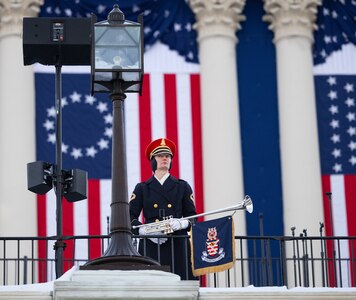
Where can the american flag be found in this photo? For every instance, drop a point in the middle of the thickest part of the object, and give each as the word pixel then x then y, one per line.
pixel 337 136
pixel 336 27
pixel 168 107
pixel 335 82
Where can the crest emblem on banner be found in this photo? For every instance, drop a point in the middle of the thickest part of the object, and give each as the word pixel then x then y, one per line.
pixel 213 253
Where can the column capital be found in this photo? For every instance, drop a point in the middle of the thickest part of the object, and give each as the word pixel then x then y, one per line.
pixel 291 17
pixel 217 17
pixel 12 12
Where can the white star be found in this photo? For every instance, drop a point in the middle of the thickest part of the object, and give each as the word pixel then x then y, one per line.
pixel 57 10
pixel 336 153
pixel 64 148
pixel 101 8
pixel 351 116
pixel 188 27
pixel 51 112
pixel 334 38
pixel 68 12
pixel 75 97
pixel 337 168
pixel 146 12
pixel 327 39
pixel 102 107
pixel 49 125
pixel 135 8
pixel 335 138
pixel 323 53
pixel 350 102
pixel 108 132
pixel 108 119
pixel 166 13
pixel 351 131
pixel 76 153
pixel 332 95
pixel 190 55
pixel 177 27
pixel 91 151
pixel 64 102
pixel 90 99
pixel 352 146
pixel 349 87
pixel 333 109
pixel 103 144
pixel 326 12
pixel 334 14
pixel 334 124
pixel 331 80
pixel 147 30
pixel 51 137
pixel 352 160
pixel 156 34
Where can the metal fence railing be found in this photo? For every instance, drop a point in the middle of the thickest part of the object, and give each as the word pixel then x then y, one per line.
pixel 291 261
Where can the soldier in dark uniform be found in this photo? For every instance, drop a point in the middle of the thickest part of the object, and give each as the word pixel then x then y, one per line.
pixel 161 196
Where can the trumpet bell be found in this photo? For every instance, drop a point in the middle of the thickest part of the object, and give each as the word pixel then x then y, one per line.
pixel 248 204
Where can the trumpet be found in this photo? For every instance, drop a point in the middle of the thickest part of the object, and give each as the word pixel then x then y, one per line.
pixel 165 226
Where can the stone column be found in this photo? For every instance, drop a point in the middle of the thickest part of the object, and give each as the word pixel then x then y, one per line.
pixel 293 23
pixel 17 122
pixel 217 23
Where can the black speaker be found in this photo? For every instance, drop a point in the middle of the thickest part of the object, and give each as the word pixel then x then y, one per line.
pixel 39 179
pixel 57 41
pixel 76 189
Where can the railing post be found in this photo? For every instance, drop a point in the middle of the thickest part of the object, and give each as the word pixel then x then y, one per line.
pixel 25 260
pixel 305 259
pixel 283 262
pixel 322 253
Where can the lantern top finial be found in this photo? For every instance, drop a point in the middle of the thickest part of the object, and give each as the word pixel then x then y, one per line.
pixel 116 15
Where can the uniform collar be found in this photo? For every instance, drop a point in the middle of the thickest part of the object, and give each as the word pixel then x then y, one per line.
pixel 163 179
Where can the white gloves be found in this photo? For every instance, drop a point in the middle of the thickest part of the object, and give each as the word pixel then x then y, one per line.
pixel 179 224
pixel 159 241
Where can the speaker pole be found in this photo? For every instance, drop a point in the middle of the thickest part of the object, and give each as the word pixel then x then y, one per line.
pixel 59 245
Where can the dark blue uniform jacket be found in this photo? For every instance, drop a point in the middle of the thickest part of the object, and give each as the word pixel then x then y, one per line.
pixel 173 198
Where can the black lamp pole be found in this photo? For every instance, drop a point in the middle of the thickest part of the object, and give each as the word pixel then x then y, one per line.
pixel 121 253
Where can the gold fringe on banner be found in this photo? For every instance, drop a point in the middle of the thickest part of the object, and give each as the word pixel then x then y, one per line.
pixel 213 269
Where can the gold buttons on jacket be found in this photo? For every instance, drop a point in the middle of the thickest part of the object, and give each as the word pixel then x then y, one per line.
pixel 157 220
pixel 169 205
pixel 155 205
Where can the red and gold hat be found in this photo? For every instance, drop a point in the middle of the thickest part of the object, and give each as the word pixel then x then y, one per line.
pixel 160 146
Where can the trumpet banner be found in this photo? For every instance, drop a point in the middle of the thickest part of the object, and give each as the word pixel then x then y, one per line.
pixel 212 245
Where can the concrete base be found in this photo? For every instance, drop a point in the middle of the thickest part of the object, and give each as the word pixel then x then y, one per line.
pixel 277 293
pixel 113 284
pixel 153 284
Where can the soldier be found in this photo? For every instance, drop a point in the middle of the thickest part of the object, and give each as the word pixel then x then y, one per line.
pixel 161 196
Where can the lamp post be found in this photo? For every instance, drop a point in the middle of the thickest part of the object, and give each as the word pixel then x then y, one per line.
pixel 117 68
